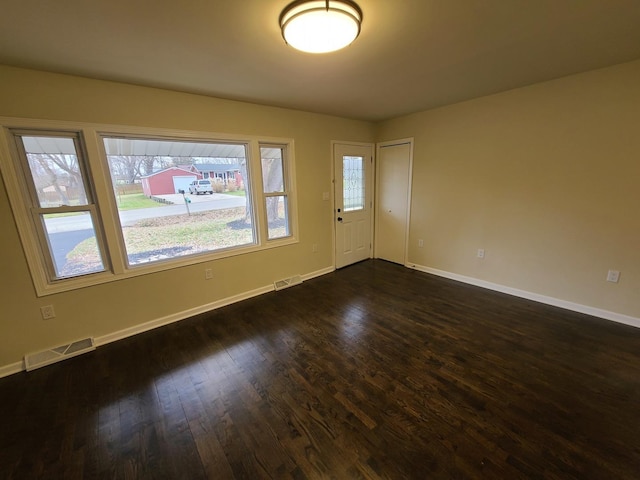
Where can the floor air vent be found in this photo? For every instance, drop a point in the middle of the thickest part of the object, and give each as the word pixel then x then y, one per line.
pixel 288 282
pixel 53 355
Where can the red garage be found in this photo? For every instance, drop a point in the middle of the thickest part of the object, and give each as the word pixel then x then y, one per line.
pixel 168 181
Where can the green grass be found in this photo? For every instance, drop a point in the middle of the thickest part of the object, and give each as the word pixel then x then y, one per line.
pixel 131 201
pixel 134 201
pixel 200 232
pixel 174 236
pixel 237 193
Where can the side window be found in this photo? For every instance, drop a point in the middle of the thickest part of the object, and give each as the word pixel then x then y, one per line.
pixel 275 187
pixel 61 203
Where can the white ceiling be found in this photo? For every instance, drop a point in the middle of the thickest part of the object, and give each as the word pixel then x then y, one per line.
pixel 411 55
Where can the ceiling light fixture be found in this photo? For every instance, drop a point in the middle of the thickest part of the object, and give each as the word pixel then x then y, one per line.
pixel 320 26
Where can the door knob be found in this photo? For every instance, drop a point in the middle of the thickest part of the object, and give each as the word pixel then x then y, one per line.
pixel 339 219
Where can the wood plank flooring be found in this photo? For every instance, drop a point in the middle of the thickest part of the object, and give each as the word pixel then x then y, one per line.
pixel 374 371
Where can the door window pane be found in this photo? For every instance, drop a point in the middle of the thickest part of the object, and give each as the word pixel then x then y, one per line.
pixel 178 198
pixel 353 183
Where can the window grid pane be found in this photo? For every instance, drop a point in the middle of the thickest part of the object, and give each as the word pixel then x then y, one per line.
pixel 73 244
pixel 353 183
pixel 272 175
pixel 277 215
pixel 55 171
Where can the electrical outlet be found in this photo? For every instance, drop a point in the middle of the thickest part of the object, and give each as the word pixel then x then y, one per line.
pixel 481 253
pixel 47 312
pixel 325 195
pixel 208 274
pixel 314 248
pixel 420 243
pixel 613 276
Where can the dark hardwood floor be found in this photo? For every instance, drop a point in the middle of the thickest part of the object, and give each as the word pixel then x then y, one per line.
pixel 375 371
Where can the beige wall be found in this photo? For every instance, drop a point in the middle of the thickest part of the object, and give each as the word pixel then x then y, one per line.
pixel 545 178
pixel 104 309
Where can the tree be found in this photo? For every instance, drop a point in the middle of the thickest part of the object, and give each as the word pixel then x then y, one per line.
pixel 243 171
pixel 127 168
pixel 273 180
pixel 60 171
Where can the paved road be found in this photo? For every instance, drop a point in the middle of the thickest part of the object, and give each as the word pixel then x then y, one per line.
pixel 67 232
pixel 129 217
pixel 63 242
pixel 198 204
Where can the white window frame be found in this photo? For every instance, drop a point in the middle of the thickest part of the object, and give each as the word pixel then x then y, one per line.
pixel 37 211
pixel 287 192
pixel 107 220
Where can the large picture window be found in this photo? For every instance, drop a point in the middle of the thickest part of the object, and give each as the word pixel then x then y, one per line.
pixel 198 196
pixel 96 203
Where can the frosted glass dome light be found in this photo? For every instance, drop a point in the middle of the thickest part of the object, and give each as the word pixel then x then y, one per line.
pixel 320 26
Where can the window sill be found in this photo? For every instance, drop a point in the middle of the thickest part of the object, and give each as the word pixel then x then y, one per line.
pixel 44 288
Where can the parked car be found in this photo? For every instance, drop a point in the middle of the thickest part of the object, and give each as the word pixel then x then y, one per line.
pixel 200 186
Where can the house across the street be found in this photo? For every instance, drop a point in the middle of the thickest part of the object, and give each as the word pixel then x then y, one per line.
pixel 220 171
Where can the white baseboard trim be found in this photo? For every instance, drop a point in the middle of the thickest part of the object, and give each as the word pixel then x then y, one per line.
pixel 175 317
pixel 556 302
pixel 10 369
pixel 318 273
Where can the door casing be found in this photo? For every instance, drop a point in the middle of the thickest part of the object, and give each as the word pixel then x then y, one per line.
pixel 391 237
pixel 367 149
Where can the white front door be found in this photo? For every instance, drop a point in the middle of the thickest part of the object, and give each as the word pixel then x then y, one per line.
pixel 393 181
pixel 353 202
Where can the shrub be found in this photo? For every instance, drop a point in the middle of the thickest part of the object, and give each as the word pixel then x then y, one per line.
pixel 232 186
pixel 218 185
